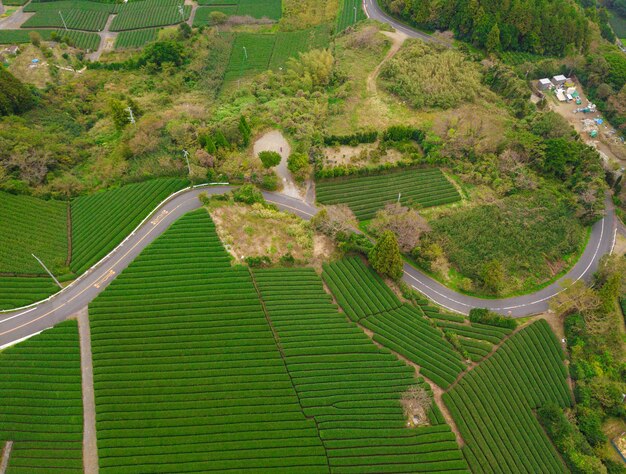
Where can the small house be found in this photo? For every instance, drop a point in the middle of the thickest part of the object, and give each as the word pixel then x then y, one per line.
pixel 11 50
pixel 544 84
pixel 559 80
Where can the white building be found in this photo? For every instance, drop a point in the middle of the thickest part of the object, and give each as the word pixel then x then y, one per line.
pixel 545 84
pixel 559 80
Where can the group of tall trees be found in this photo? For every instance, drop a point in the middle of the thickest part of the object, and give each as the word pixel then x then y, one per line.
pixel 550 27
pixel 15 97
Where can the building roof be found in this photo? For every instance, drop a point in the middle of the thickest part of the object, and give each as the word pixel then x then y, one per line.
pixel 560 78
pixel 545 80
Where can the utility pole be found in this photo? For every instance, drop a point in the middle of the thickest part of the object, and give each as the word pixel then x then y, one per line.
pixel 132 117
pixel 186 155
pixel 63 20
pixel 399 196
pixel 245 53
pixel 181 10
pixel 355 13
pixel 46 269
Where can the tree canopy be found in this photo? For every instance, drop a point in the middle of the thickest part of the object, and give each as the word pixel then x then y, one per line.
pixel 15 97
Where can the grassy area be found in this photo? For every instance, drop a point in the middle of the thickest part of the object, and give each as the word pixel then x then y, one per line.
pixel 618 23
pixel 32 226
pixel 41 402
pixel 367 194
pixel 496 420
pixel 103 220
pixel 514 245
pixel 260 232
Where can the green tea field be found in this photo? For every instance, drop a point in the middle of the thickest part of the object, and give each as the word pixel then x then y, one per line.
pixel 32 226
pixel 367 194
pixel 41 402
pixel 496 420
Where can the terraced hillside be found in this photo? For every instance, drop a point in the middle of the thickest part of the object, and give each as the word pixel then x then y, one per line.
pixel 367 194
pixel 41 402
pixel 193 371
pixel 348 385
pixel 493 404
pixel 187 373
pixel 400 327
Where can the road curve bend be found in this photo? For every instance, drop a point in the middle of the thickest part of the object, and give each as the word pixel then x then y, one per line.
pixel 19 324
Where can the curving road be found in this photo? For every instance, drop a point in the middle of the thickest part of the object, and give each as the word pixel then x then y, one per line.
pixel 20 324
pixel 373 11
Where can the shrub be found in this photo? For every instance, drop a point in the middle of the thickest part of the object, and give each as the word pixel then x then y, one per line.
pixel 248 194
pixel 258 262
pixel 269 158
pixel 385 256
pixel 484 316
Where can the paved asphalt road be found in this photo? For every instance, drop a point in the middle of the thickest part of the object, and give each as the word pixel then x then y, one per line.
pixel 20 324
pixel 373 11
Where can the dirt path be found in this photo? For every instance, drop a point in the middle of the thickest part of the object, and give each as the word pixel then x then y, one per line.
pixel 14 21
pixel 275 141
pixel 5 456
pixel 437 391
pixel 398 39
pixel 90 447
pixel 107 40
pixel 192 15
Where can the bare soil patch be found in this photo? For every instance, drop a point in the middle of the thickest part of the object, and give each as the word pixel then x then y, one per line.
pixel 607 141
pixel 360 155
pixel 254 231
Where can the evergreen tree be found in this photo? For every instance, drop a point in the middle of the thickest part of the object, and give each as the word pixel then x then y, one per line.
pixel 493 39
pixel 209 145
pixel 245 131
pixel 220 140
pixel 385 256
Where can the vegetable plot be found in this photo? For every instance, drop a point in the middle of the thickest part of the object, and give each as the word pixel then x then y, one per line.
pixel 367 194
pixel 492 404
pixel 41 402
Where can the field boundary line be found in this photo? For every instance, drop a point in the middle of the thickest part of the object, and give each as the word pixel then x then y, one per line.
pixel 107 256
pixel 5 456
pixel 282 357
pixel 90 443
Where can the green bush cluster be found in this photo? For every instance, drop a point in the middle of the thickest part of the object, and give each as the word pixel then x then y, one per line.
pixel 484 316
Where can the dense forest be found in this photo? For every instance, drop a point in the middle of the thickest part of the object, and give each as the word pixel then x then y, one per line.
pixel 550 27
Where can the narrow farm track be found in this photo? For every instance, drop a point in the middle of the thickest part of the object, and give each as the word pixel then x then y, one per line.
pixel 17 325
